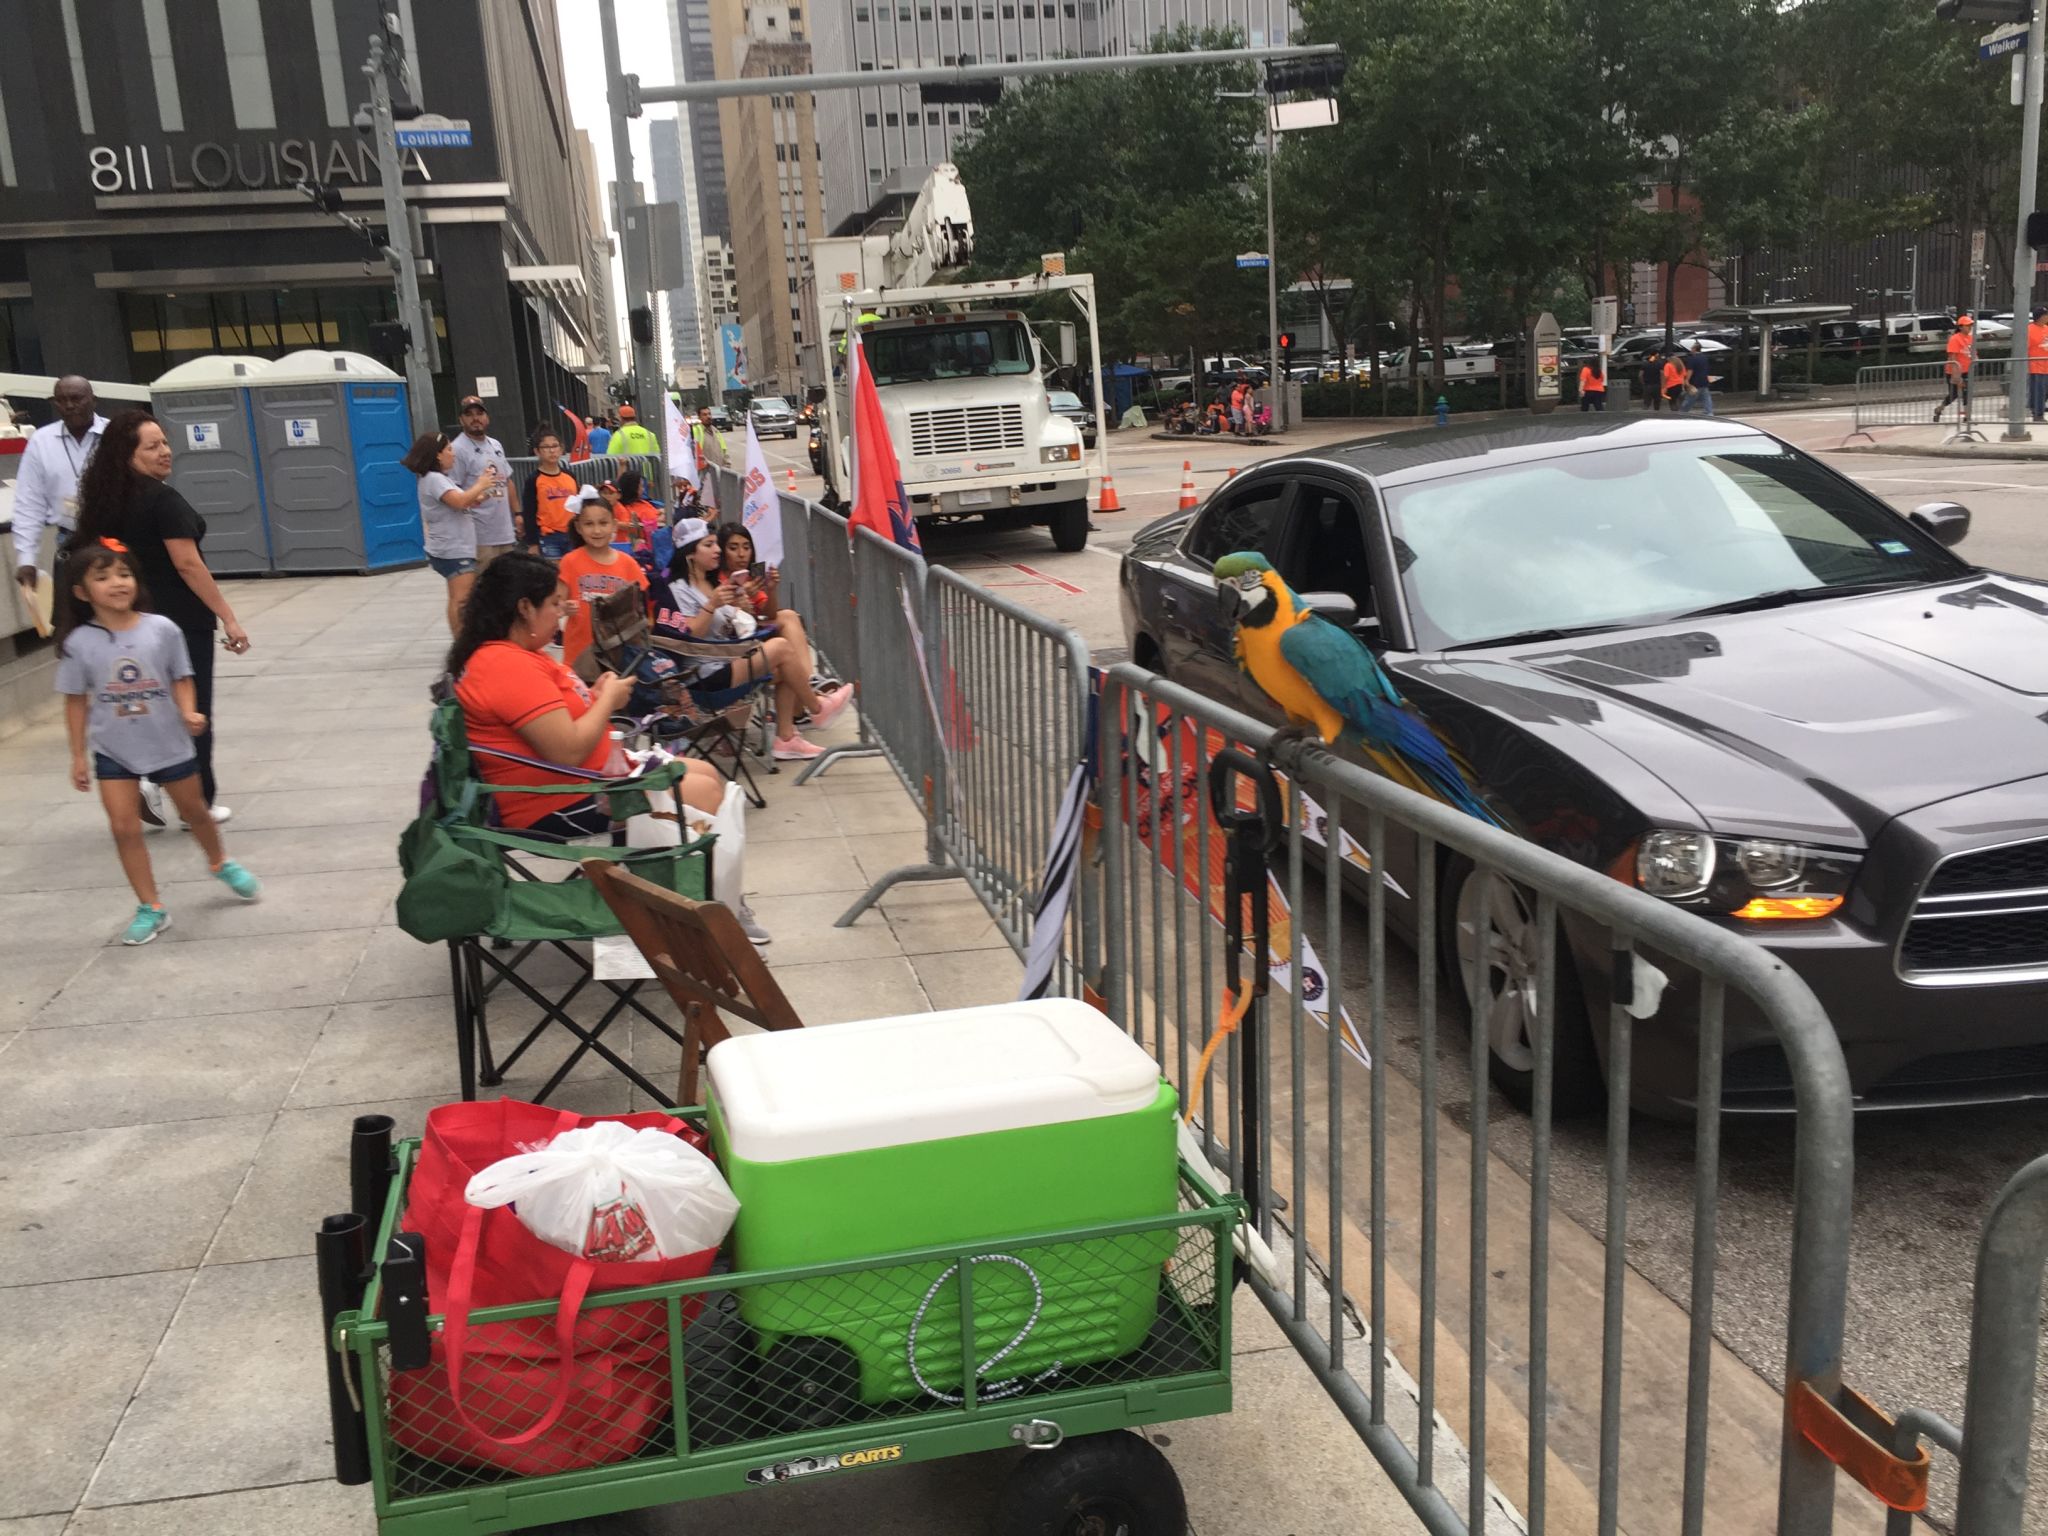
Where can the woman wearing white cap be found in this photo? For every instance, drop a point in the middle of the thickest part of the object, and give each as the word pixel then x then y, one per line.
pixel 696 604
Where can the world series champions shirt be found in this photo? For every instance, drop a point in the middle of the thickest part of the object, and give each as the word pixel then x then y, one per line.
pixel 131 716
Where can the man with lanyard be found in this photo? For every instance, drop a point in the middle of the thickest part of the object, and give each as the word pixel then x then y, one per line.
pixel 632 440
pixel 474 450
pixel 46 486
pixel 1961 356
pixel 709 441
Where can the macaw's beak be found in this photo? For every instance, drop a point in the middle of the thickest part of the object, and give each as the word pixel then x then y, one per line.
pixel 1228 603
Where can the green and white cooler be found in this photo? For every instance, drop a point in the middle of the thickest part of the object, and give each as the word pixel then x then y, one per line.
pixel 1032 1120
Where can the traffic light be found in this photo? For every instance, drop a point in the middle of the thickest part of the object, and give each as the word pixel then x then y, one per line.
pixel 389 342
pixel 1286 346
pixel 1983 10
pixel 2037 229
pixel 641 320
pixel 1323 72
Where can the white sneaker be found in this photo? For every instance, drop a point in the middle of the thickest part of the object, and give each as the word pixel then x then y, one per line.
pixel 219 813
pixel 152 806
pixel 751 927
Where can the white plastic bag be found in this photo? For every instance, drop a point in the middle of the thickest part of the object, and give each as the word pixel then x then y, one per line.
pixel 611 1193
pixel 728 868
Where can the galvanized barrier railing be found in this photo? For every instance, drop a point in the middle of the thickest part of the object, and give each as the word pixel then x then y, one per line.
pixel 1909 394
pixel 1329 1136
pixel 591 471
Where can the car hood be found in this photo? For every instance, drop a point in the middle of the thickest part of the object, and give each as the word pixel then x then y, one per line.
pixel 1821 720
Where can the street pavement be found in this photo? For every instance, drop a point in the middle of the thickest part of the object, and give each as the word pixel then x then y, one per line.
pixel 1924 1180
pixel 176 1116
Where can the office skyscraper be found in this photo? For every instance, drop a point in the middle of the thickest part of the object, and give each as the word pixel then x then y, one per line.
pixel 675 181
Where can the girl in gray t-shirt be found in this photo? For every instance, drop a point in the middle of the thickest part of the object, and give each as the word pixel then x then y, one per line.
pixel 130 707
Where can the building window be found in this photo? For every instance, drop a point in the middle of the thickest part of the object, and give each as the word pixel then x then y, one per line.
pixel 1069 7
pixel 796 13
pixel 903 13
pixel 953 115
pixel 1030 12
pixel 889 118
pixel 778 152
pixel 792 285
pixel 948 59
pixel 924 13
pixel 872 120
pixel 945 13
pixel 932 116
pixel 864 64
pixel 1009 58
pixel 860 13
pixel 1009 13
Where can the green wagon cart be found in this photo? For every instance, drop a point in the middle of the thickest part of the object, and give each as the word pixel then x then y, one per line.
pixel 729 1393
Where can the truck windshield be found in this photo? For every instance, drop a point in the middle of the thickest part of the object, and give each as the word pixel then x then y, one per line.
pixel 949 352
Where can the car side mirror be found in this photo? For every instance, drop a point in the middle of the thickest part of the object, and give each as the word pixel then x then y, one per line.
pixel 1948 521
pixel 1338 607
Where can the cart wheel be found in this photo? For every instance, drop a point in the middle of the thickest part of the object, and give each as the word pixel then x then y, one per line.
pixel 810 1383
pixel 1098 1485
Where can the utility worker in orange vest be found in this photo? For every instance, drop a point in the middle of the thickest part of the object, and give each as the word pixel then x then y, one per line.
pixel 1592 388
pixel 1961 356
pixel 2037 364
pixel 1674 379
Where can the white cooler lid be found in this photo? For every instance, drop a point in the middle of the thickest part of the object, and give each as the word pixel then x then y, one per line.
pixel 841 1088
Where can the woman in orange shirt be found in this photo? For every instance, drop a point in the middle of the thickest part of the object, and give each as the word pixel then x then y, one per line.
pixel 516 698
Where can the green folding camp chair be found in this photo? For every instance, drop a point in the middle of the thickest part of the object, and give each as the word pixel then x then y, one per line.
pixel 469 885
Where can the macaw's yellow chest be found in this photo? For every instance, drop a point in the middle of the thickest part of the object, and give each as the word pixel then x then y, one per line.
pixel 1284 685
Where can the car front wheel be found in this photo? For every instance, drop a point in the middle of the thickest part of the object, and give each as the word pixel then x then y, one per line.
pixel 1478 900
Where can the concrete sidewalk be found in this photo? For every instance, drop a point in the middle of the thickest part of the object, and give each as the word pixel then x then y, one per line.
pixel 176 1117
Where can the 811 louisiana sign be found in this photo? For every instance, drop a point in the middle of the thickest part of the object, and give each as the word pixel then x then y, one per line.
pixel 430 130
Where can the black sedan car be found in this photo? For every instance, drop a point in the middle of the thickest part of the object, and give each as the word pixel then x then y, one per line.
pixel 1686 653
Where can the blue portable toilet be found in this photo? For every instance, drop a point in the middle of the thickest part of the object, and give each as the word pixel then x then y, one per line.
pixel 330 429
pixel 203 407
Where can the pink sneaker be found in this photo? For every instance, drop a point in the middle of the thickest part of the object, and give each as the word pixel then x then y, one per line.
pixel 791 749
pixel 830 705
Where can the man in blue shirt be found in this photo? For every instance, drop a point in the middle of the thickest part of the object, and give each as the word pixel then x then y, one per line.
pixel 600 435
pixel 1699 374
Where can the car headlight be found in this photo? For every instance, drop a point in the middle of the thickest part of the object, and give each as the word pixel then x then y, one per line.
pixel 1062 453
pixel 1757 879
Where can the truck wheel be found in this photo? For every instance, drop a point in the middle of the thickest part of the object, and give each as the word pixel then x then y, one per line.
pixel 1095 1485
pixel 1069 524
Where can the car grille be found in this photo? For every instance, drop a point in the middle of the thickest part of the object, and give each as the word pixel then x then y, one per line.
pixel 1982 914
pixel 957 430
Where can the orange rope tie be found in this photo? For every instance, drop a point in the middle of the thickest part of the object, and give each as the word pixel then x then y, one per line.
pixel 1234 1009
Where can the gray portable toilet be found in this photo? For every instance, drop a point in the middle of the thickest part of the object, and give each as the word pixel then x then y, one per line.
pixel 330 429
pixel 203 407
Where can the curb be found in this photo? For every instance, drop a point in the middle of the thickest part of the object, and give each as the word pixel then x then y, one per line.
pixel 1990 452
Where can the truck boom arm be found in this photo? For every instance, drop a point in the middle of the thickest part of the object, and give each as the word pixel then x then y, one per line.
pixel 937 237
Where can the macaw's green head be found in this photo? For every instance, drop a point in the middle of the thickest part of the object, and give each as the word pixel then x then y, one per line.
pixel 1247 588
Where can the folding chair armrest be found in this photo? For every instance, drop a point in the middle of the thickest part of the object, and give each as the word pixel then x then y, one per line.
pixel 709 650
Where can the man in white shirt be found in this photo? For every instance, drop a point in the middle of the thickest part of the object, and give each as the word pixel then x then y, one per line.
pixel 46 486
pixel 474 450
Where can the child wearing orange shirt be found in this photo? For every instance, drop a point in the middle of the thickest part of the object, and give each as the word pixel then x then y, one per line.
pixel 590 572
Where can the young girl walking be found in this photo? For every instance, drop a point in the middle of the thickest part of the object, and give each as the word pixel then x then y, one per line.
pixel 126 677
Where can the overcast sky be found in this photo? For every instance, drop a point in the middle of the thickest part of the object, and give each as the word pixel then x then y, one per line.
pixel 646 50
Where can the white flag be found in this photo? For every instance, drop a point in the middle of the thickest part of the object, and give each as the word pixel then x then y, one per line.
pixel 682 448
pixel 761 511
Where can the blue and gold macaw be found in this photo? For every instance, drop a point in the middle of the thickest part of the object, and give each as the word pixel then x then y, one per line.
pixel 1326 680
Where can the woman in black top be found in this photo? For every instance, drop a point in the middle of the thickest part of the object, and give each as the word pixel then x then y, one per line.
pixel 122 498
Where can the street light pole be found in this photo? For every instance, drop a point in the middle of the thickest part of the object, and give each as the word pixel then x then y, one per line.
pixel 2023 254
pixel 623 98
pixel 386 62
pixel 1273 286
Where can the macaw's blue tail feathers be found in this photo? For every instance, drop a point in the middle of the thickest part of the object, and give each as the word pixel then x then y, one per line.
pixel 1399 734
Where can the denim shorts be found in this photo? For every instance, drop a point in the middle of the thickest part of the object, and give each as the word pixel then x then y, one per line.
pixel 451 567
pixel 556 545
pixel 104 767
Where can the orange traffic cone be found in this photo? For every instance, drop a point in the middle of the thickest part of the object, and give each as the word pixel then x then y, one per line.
pixel 1230 473
pixel 1187 485
pixel 792 481
pixel 1109 503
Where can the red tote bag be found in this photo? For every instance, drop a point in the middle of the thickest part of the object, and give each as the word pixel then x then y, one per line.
pixel 587 1386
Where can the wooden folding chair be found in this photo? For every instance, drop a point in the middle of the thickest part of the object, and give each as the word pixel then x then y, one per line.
pixel 696 950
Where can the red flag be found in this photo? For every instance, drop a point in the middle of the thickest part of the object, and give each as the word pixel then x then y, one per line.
pixel 878 498
pixel 580 449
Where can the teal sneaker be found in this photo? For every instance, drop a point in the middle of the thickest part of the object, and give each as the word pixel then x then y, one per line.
pixel 239 880
pixel 148 923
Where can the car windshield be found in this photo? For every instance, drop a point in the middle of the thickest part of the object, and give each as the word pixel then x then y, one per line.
pixel 1638 535
pixel 772 405
pixel 949 352
pixel 1060 400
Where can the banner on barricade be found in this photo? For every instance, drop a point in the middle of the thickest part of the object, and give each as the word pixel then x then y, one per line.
pixel 1168 813
pixel 760 506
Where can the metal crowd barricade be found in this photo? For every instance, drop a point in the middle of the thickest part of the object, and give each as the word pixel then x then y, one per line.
pixel 591 471
pixel 1907 395
pixel 1387 1186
